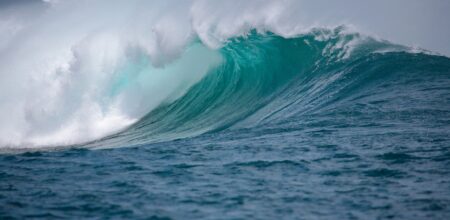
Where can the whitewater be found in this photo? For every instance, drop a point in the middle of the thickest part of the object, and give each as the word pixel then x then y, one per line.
pixel 222 110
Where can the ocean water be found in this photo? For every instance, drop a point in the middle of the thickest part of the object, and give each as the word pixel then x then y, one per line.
pixel 324 125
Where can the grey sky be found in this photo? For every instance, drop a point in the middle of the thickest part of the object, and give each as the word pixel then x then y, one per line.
pixel 417 23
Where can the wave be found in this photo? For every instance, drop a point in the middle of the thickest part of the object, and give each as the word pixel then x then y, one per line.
pixel 106 83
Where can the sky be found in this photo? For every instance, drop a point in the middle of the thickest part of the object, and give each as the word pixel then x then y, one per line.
pixel 417 23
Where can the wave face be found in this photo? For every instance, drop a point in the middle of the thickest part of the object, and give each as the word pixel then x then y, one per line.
pixel 267 80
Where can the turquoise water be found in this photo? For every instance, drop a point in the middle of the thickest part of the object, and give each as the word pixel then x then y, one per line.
pixel 326 125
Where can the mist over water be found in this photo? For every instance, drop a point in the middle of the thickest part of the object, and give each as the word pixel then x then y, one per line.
pixel 224 109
